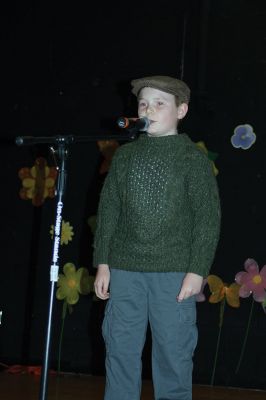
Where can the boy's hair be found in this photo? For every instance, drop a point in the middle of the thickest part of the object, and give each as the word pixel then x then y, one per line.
pixel 166 84
pixel 177 101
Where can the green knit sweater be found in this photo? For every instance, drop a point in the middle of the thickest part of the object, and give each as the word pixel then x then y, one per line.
pixel 159 208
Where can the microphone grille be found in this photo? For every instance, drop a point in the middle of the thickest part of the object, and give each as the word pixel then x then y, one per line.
pixel 19 141
pixel 123 122
pixel 146 124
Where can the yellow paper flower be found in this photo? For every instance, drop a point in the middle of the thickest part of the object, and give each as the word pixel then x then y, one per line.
pixel 66 232
pixel 38 182
pixel 73 283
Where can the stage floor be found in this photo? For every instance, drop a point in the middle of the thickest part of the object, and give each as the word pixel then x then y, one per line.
pixel 85 387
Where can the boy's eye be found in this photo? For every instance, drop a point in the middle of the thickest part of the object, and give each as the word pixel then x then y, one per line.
pixel 160 103
pixel 142 104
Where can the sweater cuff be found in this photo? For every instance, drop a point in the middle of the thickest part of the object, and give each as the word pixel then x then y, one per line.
pixel 198 271
pixel 100 256
pixel 200 267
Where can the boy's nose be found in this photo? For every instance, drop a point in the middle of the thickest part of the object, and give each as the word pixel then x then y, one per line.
pixel 150 109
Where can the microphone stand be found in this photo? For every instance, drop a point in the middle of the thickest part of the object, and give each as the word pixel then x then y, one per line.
pixel 62 153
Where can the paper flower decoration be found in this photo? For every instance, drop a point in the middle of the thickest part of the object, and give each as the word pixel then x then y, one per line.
pixel 212 156
pixel 73 283
pixel 243 137
pixel 252 281
pixel 220 291
pixel 107 148
pixel 66 232
pixel 38 182
pixel 70 285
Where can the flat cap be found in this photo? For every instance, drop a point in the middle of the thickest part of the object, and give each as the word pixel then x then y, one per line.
pixel 164 83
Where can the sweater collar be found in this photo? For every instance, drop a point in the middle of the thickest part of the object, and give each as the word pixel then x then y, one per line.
pixel 162 140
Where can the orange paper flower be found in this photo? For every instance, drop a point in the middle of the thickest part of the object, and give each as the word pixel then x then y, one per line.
pixel 220 290
pixel 38 182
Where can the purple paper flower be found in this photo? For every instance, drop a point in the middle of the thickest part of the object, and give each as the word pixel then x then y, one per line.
pixel 243 137
pixel 252 281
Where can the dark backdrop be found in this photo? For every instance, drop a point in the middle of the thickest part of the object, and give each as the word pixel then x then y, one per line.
pixel 66 69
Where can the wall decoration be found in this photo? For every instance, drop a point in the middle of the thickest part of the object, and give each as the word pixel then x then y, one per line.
pixel 244 137
pixel 222 293
pixel 38 182
pixel 73 283
pixel 70 285
pixel 252 281
pixel 66 232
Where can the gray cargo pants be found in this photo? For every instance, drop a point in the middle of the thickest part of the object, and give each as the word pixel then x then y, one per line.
pixel 135 299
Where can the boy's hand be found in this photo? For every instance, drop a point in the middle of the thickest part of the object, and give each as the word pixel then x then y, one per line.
pixel 191 285
pixel 101 282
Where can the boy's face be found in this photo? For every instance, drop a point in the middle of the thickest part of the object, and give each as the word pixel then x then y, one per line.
pixel 161 109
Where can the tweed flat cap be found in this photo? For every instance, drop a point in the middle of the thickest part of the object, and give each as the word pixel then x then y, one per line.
pixel 165 83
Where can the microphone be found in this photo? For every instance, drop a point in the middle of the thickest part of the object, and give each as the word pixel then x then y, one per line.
pixel 133 124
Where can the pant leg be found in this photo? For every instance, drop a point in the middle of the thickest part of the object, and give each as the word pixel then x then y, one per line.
pixel 174 337
pixel 124 332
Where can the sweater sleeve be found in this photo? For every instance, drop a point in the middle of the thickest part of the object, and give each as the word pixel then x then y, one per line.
pixel 107 215
pixel 205 205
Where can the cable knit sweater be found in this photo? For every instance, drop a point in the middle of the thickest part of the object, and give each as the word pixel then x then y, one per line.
pixel 159 208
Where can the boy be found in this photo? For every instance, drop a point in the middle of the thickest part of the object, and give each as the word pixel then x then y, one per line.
pixel 157 231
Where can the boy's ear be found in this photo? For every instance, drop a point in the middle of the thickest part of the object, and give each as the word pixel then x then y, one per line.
pixel 182 110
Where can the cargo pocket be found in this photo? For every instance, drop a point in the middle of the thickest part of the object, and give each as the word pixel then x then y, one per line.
pixel 188 331
pixel 187 311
